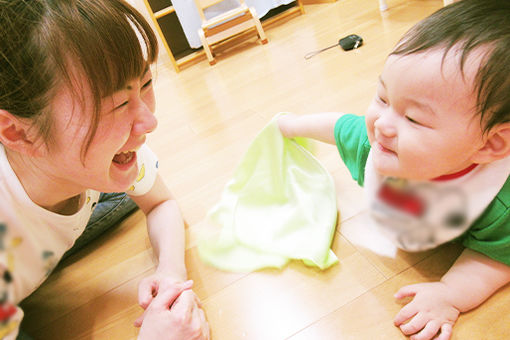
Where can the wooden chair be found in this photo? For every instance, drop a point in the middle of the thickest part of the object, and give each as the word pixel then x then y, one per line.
pixel 384 6
pixel 226 25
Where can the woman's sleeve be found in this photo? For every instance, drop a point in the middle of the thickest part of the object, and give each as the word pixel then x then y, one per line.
pixel 10 313
pixel 147 172
pixel 10 319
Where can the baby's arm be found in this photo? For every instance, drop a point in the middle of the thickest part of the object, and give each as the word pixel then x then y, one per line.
pixel 319 126
pixel 435 307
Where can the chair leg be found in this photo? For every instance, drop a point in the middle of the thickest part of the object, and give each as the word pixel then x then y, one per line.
pixel 206 47
pixel 258 26
pixel 383 5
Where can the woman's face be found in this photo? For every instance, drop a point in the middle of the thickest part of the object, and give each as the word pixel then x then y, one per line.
pixel 109 164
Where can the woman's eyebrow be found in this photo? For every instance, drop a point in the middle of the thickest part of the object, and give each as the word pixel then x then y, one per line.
pixel 145 70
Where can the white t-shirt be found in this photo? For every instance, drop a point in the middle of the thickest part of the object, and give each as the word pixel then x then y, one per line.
pixel 33 239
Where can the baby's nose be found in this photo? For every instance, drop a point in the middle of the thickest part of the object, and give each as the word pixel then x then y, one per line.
pixel 385 125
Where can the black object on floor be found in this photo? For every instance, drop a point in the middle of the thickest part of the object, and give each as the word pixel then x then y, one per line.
pixel 350 42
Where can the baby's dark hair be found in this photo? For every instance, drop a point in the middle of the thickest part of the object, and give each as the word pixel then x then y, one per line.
pixel 468 25
pixel 107 40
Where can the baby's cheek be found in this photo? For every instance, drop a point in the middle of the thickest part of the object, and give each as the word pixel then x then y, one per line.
pixel 370 132
pixel 369 123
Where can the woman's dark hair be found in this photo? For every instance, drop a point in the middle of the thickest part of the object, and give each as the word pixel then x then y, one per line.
pixel 468 25
pixel 107 40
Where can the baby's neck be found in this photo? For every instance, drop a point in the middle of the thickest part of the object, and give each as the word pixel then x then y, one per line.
pixel 455 175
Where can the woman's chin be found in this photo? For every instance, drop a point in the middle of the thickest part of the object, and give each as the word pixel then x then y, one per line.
pixel 121 182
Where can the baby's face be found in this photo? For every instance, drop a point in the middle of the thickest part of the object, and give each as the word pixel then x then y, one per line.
pixel 422 122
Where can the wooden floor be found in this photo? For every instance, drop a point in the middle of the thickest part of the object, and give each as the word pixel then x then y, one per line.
pixel 207 118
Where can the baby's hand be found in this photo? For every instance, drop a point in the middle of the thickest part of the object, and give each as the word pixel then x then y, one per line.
pixel 285 124
pixel 429 313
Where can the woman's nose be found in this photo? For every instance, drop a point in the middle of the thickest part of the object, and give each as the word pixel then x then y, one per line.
pixel 145 121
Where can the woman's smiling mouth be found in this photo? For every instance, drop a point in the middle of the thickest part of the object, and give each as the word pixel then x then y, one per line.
pixel 124 160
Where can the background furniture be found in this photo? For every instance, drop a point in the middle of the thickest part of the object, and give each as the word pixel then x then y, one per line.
pixel 183 48
pixel 226 24
pixel 165 19
pixel 384 6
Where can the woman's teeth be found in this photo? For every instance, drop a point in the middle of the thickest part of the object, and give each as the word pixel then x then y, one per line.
pixel 124 157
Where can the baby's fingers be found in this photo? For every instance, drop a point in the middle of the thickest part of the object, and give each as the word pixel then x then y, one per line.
pixel 415 325
pixel 429 332
pixel 405 291
pixel 405 314
pixel 138 322
pixel 446 332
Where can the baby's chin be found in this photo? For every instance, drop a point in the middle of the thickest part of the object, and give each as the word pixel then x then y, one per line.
pixel 388 173
pixel 382 170
pixel 399 173
pixel 405 176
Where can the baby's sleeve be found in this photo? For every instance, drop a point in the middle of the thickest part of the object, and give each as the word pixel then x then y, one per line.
pixel 147 172
pixel 352 143
pixel 490 234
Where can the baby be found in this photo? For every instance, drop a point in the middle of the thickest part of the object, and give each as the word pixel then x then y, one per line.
pixel 433 155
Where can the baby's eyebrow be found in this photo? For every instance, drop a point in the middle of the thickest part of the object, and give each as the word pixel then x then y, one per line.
pixel 422 105
pixel 413 101
pixel 382 81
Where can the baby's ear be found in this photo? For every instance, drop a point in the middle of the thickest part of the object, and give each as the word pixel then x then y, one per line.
pixel 18 135
pixel 497 145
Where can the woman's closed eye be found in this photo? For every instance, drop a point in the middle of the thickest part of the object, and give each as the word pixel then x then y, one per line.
pixel 147 84
pixel 121 105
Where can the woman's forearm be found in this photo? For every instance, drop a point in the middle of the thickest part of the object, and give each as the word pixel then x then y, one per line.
pixel 166 232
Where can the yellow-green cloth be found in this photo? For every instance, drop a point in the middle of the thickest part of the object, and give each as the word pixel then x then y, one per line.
pixel 280 205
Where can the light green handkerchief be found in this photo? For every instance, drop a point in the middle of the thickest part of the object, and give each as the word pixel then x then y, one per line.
pixel 280 205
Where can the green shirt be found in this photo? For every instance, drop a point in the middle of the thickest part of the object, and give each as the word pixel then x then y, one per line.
pixel 489 234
